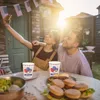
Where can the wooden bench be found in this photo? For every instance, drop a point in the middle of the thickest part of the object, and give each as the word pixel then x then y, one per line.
pixel 4 63
pixel 4 60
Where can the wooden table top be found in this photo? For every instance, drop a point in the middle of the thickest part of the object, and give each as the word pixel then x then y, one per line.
pixel 37 85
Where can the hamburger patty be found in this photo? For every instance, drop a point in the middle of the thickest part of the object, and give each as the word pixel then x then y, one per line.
pixel 54 96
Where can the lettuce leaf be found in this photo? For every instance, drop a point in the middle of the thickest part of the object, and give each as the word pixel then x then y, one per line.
pixel 89 91
pixel 45 92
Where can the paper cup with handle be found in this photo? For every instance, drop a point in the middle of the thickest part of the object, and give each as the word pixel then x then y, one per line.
pixel 54 67
pixel 28 68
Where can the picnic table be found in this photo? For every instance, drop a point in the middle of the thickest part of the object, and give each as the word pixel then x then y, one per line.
pixel 37 84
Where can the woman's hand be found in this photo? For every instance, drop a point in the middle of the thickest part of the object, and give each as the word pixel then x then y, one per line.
pixel 7 19
pixel 35 42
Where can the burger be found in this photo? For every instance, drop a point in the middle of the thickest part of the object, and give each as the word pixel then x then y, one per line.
pixel 55 93
pixel 58 83
pixel 88 93
pixel 64 75
pixel 61 76
pixel 72 93
pixel 69 83
pixel 81 86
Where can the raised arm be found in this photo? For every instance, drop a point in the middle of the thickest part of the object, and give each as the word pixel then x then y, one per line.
pixel 15 34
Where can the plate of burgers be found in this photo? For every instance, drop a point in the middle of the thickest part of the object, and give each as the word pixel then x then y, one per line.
pixel 64 87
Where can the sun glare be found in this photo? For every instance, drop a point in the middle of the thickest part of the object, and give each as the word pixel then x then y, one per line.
pixel 61 21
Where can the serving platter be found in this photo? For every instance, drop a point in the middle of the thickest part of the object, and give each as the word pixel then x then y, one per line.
pixel 49 82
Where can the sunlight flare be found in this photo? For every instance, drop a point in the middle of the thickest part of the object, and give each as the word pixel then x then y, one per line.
pixel 61 21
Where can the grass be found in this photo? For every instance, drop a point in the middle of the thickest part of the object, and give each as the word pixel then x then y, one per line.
pixel 96 70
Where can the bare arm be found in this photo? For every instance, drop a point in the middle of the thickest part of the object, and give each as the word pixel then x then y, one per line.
pixel 15 34
pixel 18 37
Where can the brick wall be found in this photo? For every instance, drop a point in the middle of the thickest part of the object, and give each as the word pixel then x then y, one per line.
pixel 35 24
pixel 2 40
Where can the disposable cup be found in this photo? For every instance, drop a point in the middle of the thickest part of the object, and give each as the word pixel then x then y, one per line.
pixel 54 67
pixel 28 68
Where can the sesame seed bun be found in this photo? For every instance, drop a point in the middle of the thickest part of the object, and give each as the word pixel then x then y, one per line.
pixel 81 86
pixel 61 76
pixel 56 90
pixel 64 74
pixel 72 93
pixel 58 83
pixel 69 82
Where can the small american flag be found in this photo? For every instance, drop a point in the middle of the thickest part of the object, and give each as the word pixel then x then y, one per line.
pixel 36 3
pixel 4 11
pixel 27 6
pixel 18 10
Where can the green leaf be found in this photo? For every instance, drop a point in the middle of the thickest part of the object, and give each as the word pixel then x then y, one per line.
pixel 89 91
pixel 45 92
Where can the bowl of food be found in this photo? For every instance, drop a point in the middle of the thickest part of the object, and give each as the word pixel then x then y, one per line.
pixel 11 88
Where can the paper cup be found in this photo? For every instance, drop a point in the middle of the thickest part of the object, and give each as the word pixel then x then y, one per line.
pixel 28 68
pixel 54 67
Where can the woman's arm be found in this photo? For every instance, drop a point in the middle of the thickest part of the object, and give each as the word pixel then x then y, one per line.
pixel 18 37
pixel 15 34
pixel 35 43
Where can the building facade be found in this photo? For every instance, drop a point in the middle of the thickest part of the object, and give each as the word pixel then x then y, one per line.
pixel 31 26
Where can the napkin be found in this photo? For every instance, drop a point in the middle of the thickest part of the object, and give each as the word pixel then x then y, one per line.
pixel 40 83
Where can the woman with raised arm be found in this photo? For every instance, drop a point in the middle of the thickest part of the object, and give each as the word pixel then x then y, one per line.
pixel 43 52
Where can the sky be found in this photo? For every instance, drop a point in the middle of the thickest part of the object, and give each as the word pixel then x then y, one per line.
pixel 74 7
